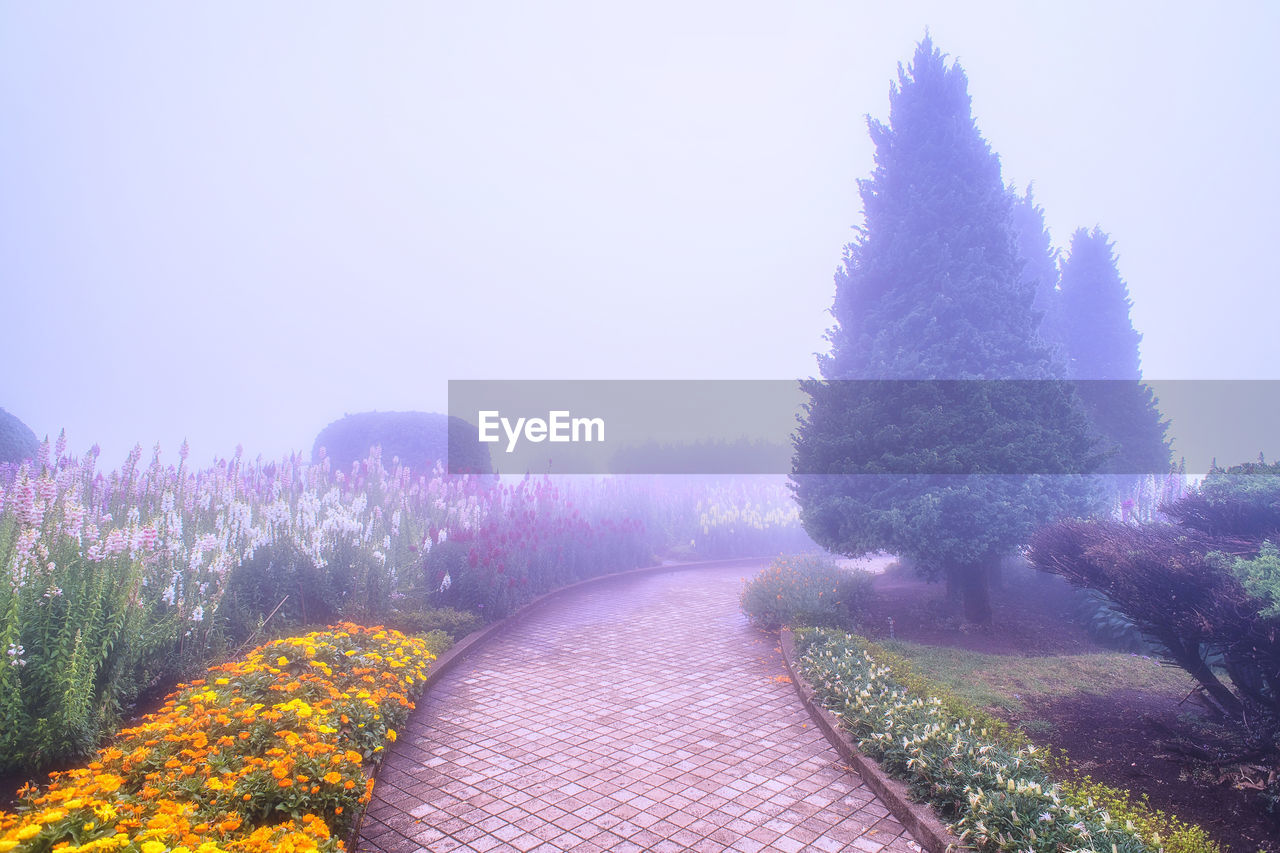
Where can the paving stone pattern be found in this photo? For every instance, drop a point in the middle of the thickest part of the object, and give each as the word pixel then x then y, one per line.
pixel 642 714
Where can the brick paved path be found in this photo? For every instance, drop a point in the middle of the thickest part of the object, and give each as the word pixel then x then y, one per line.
pixel 642 714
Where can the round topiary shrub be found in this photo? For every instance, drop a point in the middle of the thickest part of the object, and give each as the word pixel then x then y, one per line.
pixel 17 441
pixel 418 439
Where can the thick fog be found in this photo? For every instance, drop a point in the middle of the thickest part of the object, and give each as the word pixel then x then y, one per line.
pixel 235 222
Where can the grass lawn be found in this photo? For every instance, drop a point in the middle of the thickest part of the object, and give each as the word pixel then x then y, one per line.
pixel 1005 684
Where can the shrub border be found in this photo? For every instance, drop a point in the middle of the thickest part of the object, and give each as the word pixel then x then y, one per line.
pixel 480 636
pixel 918 818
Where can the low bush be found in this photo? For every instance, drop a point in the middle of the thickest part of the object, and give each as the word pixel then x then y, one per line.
pixel 805 590
pixel 1204 589
pixel 1106 623
pixel 987 779
pixel 265 754
pixel 452 622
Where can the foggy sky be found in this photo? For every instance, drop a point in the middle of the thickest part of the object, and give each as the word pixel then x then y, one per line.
pixel 235 222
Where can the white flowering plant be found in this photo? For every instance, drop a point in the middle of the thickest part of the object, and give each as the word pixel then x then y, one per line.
pixel 996 790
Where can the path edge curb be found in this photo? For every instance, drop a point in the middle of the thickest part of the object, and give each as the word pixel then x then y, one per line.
pixel 919 819
pixel 480 636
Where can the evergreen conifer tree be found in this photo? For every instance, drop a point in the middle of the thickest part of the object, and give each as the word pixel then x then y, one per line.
pixel 932 289
pixel 1040 263
pixel 1099 342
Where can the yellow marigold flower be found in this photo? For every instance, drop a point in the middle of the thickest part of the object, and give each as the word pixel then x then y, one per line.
pixel 29 831
pixel 108 783
pixel 282 661
pixel 391 733
pixel 153 846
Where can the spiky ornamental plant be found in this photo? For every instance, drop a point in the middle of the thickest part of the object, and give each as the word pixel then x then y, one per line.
pixel 932 289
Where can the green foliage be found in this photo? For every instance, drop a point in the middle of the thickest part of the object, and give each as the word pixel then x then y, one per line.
pixel 17 442
pixel 80 648
pixel 418 439
pixel 933 289
pixel 1125 415
pixel 1240 502
pixel 1098 337
pixel 1261 578
pixel 280 583
pixel 989 781
pixel 1035 248
pixel 436 641
pixel 1107 623
pixel 1203 588
pixel 796 591
pixel 452 622
pixel 273 577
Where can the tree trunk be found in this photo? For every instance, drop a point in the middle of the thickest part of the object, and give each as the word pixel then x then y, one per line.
pixel 995 574
pixel 972 579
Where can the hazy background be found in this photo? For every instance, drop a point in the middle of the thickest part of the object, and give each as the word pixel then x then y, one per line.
pixel 235 222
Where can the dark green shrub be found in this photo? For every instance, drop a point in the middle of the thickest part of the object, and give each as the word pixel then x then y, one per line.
pixel 1199 587
pixel 451 621
pixel 813 591
pixel 276 580
pixel 418 439
pixel 17 441
pixel 1106 623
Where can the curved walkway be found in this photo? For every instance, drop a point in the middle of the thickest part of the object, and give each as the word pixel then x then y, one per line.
pixel 638 714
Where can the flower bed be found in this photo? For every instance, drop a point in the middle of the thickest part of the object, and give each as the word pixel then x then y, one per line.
pixel 993 785
pixel 264 754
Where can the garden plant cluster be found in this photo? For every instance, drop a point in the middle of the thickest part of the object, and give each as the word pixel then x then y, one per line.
pixel 268 753
pixel 119 584
pixel 995 787
pixel 805 590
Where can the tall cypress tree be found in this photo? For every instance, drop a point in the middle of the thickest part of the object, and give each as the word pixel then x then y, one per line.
pixel 1098 337
pixel 1099 342
pixel 932 289
pixel 1040 263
